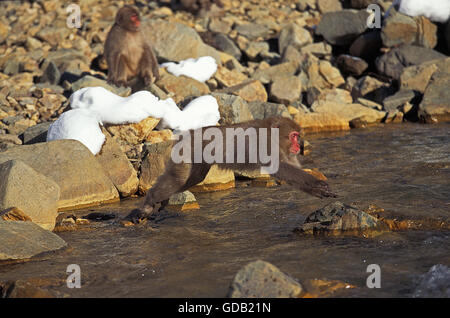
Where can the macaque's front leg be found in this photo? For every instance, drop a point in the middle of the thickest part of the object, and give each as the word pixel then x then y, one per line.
pixel 304 181
pixel 148 66
pixel 171 181
pixel 118 74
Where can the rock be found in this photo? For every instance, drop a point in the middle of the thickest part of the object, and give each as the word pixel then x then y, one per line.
pixel 51 74
pixel 216 180
pixel 319 49
pixel 351 64
pixel 342 27
pixel 360 4
pixel 72 166
pixel 286 90
pixel 12 139
pixel 181 87
pixel 233 109
pixel 227 78
pixel 322 74
pixel 4 32
pixel 91 81
pixel 372 89
pixel 23 240
pixel 254 50
pixel 219 26
pixel 23 289
pixel 293 35
pixel 155 157
pixel 252 31
pixel 316 122
pixel 392 63
pixel 336 95
pixel 367 45
pixel 14 214
pixel 176 41
pixel 35 134
pixel 399 29
pixel 349 111
pixel 325 6
pixel 266 110
pixel 435 283
pixel 26 189
pixel 417 77
pixel 53 35
pixel 269 74
pixel 338 218
pixel 435 106
pixel 223 43
pixel 250 91
pixel 291 54
pixel 183 201
pixel 261 279
pixel 131 135
pixel 400 98
pixel 118 167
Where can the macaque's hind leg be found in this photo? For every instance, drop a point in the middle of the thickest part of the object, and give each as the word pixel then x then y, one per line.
pixel 302 180
pixel 170 182
pixel 148 66
pixel 118 74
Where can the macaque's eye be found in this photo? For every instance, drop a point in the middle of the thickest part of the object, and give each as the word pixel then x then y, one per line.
pixel 296 143
pixel 135 19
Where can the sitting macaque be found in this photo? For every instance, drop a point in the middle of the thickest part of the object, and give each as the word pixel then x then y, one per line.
pixel 279 136
pixel 127 53
pixel 195 6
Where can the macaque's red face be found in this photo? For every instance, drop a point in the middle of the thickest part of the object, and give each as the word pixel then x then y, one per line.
pixel 296 143
pixel 135 20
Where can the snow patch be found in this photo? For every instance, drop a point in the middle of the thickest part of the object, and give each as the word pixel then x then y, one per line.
pixel 200 69
pixel 95 106
pixel 435 10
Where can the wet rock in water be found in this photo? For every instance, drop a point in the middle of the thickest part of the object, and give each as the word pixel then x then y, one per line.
pixel 100 216
pixel 22 289
pixel 118 167
pixel 176 41
pixel 400 98
pixel 216 180
pixel 338 219
pixel 72 166
pixel 223 43
pixel 233 109
pixel 393 63
pixel 286 90
pixel 399 29
pixel 349 112
pixel 435 283
pixel 435 105
pixel 342 27
pixel 153 163
pixel 181 86
pixel 316 122
pixel 35 134
pixel 183 201
pixel 23 240
pixel 261 279
pixel 265 110
pixel 295 36
pixel 35 194
pixel 351 64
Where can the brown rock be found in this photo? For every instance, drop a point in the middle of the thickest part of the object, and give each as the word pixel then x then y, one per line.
pixel 286 90
pixel 181 87
pixel 216 180
pixel 14 214
pixel 316 122
pixel 228 78
pixel 329 5
pixel 349 111
pixel 351 64
pixel 133 134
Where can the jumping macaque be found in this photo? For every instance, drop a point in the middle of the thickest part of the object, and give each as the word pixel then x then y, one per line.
pixel 127 53
pixel 280 137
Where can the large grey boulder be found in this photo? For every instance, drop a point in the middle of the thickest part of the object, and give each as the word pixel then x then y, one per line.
pixel 35 194
pixel 72 166
pixel 23 240
pixel 233 109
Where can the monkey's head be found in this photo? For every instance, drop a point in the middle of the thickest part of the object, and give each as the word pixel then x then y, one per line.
pixel 128 18
pixel 291 136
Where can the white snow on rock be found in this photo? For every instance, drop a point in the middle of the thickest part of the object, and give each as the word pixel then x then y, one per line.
pixel 95 106
pixel 200 69
pixel 435 10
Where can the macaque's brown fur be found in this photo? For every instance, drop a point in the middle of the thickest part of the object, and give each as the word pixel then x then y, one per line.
pixel 180 177
pixel 127 52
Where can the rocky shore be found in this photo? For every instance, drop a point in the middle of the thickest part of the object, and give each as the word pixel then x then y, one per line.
pixel 315 61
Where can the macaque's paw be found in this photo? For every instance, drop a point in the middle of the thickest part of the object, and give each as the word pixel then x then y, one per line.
pixel 138 216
